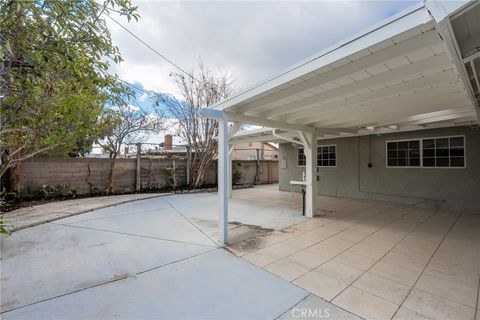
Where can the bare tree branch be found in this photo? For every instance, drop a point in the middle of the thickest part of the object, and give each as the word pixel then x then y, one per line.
pixel 200 133
pixel 130 125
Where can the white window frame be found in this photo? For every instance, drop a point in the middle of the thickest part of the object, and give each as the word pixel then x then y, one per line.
pixel 323 145
pixel 421 153
pixel 300 166
pixel 336 158
pixel 403 140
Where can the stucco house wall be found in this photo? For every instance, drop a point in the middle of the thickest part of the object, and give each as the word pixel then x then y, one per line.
pixel 444 188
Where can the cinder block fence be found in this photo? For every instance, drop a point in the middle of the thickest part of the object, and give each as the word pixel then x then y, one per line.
pixel 90 175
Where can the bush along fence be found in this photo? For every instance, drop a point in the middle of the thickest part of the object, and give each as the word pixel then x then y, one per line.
pixel 82 176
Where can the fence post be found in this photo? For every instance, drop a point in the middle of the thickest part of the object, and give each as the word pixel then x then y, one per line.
pixel 189 164
pixel 138 171
pixel 268 172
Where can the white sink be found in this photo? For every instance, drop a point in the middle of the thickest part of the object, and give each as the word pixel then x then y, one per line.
pixel 301 183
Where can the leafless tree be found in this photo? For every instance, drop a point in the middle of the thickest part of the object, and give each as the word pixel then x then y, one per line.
pixel 130 125
pixel 204 89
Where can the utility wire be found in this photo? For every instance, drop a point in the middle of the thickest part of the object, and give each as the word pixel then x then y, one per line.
pixel 153 49
pixel 138 89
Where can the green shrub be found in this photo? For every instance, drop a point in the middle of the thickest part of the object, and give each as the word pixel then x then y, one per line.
pixel 5 226
pixel 172 179
pixel 61 190
pixel 236 174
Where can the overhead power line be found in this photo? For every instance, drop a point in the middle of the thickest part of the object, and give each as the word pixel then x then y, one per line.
pixel 138 89
pixel 153 49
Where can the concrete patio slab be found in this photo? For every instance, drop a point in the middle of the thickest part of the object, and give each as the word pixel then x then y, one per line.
pixel 381 260
pixel 262 206
pixel 213 285
pixel 156 259
pixel 139 259
pixel 314 307
pixel 35 215
pixel 52 260
pixel 164 224
pixel 147 205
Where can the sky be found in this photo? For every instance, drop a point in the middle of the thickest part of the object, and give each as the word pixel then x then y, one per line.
pixel 250 40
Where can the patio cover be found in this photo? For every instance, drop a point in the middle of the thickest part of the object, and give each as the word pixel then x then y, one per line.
pixel 419 69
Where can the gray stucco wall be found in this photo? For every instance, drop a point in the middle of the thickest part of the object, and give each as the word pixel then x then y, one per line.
pixel 443 188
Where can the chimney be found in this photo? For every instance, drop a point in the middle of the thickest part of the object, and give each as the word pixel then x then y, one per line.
pixel 168 142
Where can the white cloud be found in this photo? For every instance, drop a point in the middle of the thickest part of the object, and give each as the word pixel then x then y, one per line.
pixel 144 97
pixel 251 40
pixel 171 127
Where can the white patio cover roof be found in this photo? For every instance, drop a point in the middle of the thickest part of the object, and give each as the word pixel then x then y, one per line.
pixel 397 76
pixel 408 73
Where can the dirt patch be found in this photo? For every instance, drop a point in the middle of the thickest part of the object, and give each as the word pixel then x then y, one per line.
pixel 14 204
pixel 324 212
pixel 246 238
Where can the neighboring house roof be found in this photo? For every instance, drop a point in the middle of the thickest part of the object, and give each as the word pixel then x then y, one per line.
pixel 271 146
pixel 407 73
pixel 175 149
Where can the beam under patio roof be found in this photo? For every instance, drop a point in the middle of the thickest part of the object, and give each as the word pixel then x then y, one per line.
pixel 399 75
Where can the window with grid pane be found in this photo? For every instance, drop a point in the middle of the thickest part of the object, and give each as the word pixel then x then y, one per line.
pixel 326 156
pixel 301 160
pixel 444 152
pixel 403 153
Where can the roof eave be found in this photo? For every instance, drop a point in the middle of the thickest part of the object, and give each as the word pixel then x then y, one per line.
pixel 401 22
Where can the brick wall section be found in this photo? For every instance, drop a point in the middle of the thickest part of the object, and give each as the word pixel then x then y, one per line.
pixel 87 175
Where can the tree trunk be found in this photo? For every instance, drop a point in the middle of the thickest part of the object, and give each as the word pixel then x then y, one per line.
pixel 199 177
pixel 200 172
pixel 111 174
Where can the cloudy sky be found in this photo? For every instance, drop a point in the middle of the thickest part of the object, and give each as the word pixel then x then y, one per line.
pixel 249 39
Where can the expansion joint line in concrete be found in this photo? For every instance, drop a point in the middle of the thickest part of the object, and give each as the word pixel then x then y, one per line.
pixel 398 242
pixel 296 304
pixel 428 262
pixel 193 224
pixel 135 235
pixel 113 216
pixel 372 233
pixel 340 231
pixel 478 299
pixel 124 277
pixel 68 215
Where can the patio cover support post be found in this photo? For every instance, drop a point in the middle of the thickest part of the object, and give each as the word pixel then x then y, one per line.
pixel 310 150
pixel 231 146
pixel 231 132
pixel 223 180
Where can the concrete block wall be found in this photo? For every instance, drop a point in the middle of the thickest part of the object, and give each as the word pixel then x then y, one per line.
pixel 268 171
pixel 156 173
pixel 82 174
pixel 444 188
pixel 89 175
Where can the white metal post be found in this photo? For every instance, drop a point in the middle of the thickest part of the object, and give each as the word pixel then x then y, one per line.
pixel 223 180
pixel 230 164
pixel 310 149
pixel 231 132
